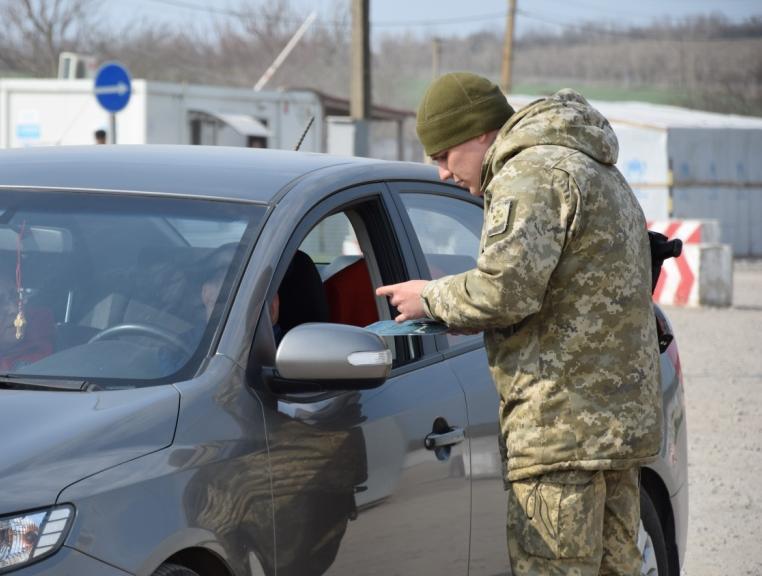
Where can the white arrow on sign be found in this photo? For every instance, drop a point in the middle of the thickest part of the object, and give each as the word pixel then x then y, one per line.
pixel 120 89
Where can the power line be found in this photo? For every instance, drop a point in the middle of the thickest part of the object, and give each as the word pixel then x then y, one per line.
pixel 588 28
pixel 381 24
pixel 198 7
pixel 228 12
pixel 605 8
pixel 577 27
pixel 231 13
pixel 440 22
pixel 491 17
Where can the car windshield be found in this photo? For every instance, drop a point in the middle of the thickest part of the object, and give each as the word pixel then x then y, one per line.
pixel 115 289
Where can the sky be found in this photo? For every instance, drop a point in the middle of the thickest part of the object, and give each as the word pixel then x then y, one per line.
pixel 446 17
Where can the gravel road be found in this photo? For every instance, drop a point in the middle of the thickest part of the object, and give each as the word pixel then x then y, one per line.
pixel 721 354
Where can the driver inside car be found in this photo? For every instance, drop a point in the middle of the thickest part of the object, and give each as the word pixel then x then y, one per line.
pixel 215 269
pixel 301 305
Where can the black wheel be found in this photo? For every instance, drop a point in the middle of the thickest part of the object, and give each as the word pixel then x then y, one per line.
pixel 651 543
pixel 174 570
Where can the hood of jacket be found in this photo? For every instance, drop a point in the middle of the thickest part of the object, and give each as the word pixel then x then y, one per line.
pixel 563 119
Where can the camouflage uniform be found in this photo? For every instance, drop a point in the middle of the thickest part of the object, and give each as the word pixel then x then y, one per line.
pixel 562 291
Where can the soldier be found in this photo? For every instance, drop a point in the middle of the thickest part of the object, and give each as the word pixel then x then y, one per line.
pixel 562 292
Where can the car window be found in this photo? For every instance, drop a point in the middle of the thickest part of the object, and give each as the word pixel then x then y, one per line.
pixel 331 238
pixel 350 275
pixel 448 230
pixel 113 288
pixel 333 276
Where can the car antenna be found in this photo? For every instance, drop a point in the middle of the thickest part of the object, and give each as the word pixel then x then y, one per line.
pixel 307 129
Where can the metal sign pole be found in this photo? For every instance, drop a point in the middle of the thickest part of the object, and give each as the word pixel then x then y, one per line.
pixel 113 87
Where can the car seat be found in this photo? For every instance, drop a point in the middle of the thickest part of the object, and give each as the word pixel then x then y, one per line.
pixel 301 293
pixel 350 295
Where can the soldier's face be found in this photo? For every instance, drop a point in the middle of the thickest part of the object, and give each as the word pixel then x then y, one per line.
pixel 463 163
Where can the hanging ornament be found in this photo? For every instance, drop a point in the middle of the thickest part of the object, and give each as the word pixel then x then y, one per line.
pixel 20 321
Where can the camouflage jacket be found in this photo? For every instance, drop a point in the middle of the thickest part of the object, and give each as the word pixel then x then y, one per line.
pixel 562 290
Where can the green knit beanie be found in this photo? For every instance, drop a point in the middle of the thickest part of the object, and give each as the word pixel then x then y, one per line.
pixel 457 107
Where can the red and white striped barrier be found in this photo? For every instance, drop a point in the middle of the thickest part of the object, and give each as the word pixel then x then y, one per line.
pixel 689 231
pixel 703 274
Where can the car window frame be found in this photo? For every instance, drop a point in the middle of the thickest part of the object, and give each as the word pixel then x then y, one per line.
pixel 439 189
pixel 262 351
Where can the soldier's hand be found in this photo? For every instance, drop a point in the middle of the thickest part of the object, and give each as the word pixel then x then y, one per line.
pixel 406 298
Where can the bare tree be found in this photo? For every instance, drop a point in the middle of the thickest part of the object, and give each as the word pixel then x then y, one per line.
pixel 34 32
pixel 705 62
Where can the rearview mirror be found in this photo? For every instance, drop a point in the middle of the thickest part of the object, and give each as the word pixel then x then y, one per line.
pixel 333 356
pixel 36 239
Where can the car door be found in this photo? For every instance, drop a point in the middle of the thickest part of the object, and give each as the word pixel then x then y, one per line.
pixel 355 489
pixel 445 223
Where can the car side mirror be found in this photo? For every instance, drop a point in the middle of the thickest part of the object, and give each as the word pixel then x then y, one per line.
pixel 331 357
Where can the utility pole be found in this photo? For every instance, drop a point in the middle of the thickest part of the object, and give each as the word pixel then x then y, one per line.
pixel 436 56
pixel 508 47
pixel 360 98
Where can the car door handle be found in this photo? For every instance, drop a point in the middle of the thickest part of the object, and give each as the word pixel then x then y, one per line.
pixel 451 437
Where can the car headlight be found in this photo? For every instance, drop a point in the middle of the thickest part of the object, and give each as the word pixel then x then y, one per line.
pixel 29 536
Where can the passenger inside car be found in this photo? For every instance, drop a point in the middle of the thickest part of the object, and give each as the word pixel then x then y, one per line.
pixel 300 297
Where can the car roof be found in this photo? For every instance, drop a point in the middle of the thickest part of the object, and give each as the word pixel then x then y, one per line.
pixel 201 171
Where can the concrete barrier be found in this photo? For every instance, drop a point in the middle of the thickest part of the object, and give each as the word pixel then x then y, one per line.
pixel 703 274
pixel 715 279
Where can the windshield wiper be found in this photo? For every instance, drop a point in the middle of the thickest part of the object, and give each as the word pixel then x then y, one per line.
pixel 11 382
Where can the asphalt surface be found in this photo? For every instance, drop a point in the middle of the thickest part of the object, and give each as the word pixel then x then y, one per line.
pixel 721 355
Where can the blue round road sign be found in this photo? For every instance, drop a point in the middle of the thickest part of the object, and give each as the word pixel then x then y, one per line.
pixel 113 86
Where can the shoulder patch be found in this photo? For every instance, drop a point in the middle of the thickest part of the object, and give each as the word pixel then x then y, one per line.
pixel 497 220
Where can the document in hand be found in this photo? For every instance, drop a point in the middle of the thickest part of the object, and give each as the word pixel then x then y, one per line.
pixel 420 327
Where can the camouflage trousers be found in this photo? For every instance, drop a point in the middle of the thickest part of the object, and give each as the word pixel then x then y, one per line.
pixel 576 523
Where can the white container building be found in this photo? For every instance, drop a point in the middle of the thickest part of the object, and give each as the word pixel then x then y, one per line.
pixel 43 112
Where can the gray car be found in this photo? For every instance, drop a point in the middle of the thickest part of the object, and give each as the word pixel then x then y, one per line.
pixel 188 388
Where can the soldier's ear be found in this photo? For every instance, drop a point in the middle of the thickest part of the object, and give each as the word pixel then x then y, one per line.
pixel 488 137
